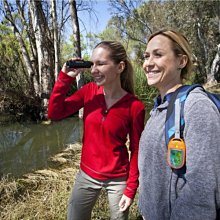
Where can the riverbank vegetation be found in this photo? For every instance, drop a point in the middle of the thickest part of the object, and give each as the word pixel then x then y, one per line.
pixel 43 195
pixel 35 44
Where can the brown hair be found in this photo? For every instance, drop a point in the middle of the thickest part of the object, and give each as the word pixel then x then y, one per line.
pixel 118 54
pixel 180 45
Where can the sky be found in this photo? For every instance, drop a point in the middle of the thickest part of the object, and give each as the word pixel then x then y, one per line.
pixel 95 24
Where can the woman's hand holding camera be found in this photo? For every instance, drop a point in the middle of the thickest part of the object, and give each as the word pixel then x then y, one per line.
pixel 72 71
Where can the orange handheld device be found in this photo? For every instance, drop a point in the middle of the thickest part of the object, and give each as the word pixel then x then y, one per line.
pixel 176 153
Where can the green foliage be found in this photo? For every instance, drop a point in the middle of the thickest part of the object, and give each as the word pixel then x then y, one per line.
pixel 198 20
pixel 15 98
pixel 66 51
pixel 10 55
pixel 142 90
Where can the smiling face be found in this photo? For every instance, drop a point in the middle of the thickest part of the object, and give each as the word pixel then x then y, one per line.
pixel 162 66
pixel 104 71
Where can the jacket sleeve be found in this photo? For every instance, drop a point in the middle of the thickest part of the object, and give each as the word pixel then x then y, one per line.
pixel 199 197
pixel 60 106
pixel 137 126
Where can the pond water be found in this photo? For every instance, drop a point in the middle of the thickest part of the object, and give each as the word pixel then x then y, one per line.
pixel 27 147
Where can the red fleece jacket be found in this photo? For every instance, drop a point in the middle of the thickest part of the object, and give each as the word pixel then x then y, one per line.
pixel 104 152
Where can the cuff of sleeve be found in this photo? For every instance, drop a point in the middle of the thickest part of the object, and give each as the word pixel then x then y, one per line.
pixel 65 78
pixel 130 193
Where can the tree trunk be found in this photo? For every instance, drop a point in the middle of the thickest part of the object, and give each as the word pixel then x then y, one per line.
pixel 213 76
pixel 55 36
pixel 77 46
pixel 206 58
pixel 34 87
pixel 45 51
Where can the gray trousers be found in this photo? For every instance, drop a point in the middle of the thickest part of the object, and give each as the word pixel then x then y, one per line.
pixel 85 194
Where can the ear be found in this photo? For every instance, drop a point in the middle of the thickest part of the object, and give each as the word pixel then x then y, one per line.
pixel 183 61
pixel 121 66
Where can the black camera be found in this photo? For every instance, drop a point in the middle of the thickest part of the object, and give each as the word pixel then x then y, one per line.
pixel 78 64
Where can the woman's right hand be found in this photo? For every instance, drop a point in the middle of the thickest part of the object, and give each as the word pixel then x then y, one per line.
pixel 73 72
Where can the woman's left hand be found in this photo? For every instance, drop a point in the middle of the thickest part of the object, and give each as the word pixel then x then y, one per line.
pixel 124 203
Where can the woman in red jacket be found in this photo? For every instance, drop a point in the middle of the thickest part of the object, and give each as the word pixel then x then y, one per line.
pixel 112 113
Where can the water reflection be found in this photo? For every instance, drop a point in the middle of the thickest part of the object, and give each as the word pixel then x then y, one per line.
pixel 26 147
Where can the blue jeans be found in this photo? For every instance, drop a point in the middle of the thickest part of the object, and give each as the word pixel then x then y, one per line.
pixel 85 194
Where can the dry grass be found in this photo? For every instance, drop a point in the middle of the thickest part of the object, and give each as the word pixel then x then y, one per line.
pixel 43 195
pixel 215 88
pixel 35 198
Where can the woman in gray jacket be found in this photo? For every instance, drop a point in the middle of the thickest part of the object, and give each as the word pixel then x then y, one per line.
pixel 163 194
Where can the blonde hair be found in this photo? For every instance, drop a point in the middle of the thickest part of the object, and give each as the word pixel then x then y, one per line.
pixel 180 45
pixel 118 54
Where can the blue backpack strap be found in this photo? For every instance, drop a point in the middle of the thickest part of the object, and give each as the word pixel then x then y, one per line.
pixel 170 130
pixel 218 214
pixel 181 93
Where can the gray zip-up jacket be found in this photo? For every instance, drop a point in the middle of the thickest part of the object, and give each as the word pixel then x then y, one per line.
pixel 162 195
